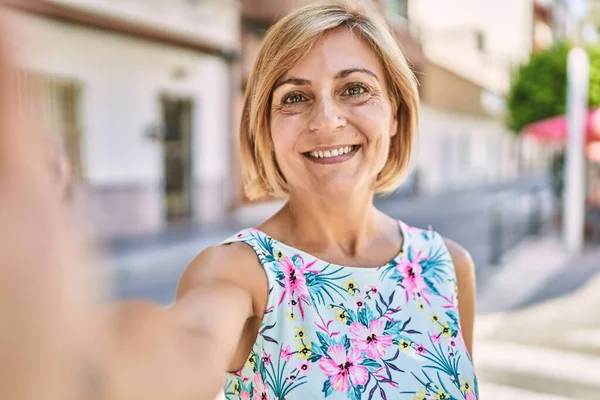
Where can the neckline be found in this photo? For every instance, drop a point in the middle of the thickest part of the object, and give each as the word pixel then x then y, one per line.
pixel 401 252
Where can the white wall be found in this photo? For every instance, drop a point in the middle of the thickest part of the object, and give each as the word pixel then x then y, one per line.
pixel 122 80
pixel 459 150
pixel 214 21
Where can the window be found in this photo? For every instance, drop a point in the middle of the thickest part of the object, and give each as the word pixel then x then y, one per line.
pixel 56 102
pixel 480 41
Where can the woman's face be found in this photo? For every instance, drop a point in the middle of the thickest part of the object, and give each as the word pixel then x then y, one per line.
pixel 332 119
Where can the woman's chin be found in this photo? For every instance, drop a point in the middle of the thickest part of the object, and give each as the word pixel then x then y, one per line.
pixel 339 189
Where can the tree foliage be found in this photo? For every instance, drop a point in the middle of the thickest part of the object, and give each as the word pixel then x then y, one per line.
pixel 539 89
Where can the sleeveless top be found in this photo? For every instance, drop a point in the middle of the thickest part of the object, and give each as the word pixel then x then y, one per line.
pixel 339 332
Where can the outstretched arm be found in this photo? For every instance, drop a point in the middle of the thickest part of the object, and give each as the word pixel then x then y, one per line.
pixel 54 343
pixel 183 351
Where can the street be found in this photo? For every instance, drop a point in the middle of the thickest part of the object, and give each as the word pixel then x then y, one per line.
pixel 465 217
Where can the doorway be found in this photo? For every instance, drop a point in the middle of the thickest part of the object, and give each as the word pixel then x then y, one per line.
pixel 177 156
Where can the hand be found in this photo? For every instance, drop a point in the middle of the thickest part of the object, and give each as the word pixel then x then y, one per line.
pixel 45 296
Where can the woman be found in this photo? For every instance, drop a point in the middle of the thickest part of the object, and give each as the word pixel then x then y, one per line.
pixel 336 299
pixel 329 298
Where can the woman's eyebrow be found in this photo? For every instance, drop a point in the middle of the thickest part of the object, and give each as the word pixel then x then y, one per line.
pixel 292 81
pixel 347 71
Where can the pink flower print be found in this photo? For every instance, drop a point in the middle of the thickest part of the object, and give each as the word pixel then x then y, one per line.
pixel 245 395
pixel 343 368
pixel 286 353
pixel 467 389
pixel 412 276
pixel 304 367
pixel 360 302
pixel 372 290
pixel 295 282
pixel 420 349
pixel 435 338
pixel 266 359
pixel 412 229
pixel 260 390
pixel 371 340
pixel 245 379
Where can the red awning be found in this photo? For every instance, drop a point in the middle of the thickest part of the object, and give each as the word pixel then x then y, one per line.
pixel 555 129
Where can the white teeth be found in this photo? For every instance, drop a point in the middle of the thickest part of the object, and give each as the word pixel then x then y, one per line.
pixel 331 153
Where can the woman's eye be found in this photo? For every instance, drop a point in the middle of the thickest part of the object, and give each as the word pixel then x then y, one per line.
pixel 293 99
pixel 356 90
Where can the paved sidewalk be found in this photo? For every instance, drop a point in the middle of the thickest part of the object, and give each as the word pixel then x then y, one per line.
pixel 523 270
pixel 550 350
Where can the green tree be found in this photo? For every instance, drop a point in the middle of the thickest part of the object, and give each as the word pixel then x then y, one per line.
pixel 539 89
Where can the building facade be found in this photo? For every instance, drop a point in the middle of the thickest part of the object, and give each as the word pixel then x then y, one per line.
pixel 140 93
pixel 472 48
pixel 145 97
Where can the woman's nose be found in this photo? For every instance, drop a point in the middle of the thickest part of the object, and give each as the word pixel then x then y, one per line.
pixel 327 116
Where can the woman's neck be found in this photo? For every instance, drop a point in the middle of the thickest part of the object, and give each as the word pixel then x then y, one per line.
pixel 350 223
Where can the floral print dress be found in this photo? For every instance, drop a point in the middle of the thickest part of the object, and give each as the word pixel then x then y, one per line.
pixel 338 332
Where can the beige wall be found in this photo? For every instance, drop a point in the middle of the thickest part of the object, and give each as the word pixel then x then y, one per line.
pixel 441 88
pixel 448 32
pixel 270 10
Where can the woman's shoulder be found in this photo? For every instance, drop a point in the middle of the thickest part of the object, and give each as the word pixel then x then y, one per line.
pixel 419 238
pixel 460 256
pixel 231 261
pixel 464 266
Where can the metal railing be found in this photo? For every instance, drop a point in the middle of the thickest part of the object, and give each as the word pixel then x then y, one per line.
pixel 518 216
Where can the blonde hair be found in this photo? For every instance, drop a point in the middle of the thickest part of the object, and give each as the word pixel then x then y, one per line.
pixel 286 43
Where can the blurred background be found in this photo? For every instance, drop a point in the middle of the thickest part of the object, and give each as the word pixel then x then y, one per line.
pixel 144 97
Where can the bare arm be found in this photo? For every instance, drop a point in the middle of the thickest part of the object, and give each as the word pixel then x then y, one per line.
pixel 182 352
pixel 465 275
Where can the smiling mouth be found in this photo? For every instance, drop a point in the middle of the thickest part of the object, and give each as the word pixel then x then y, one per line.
pixel 332 156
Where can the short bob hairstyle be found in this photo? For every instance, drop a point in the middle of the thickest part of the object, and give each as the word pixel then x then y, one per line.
pixel 286 43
